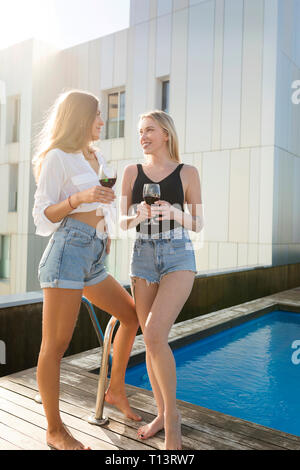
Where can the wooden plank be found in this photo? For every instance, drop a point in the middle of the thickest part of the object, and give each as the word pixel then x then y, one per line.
pixel 194 410
pixel 32 412
pixel 5 445
pixel 196 441
pixel 35 425
pixel 228 423
pixel 195 427
pixel 14 402
pixel 198 444
pixel 9 430
pixel 23 392
pixel 268 436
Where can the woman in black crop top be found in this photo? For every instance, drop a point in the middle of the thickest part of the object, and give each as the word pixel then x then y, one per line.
pixel 163 262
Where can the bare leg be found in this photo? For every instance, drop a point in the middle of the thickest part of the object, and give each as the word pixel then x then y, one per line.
pixel 111 297
pixel 172 294
pixel 60 311
pixel 144 296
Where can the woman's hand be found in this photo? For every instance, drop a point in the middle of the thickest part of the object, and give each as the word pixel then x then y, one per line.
pixel 95 194
pixel 165 211
pixel 143 211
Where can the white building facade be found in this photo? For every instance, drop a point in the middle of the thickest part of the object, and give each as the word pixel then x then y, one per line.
pixel 224 70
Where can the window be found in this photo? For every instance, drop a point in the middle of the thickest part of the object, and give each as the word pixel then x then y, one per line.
pixel 13 119
pixel 115 115
pixel 13 188
pixel 165 95
pixel 4 256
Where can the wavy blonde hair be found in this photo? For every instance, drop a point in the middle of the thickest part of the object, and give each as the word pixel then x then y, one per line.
pixel 165 121
pixel 67 126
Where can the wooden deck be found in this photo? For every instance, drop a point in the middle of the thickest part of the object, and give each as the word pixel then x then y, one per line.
pixel 23 424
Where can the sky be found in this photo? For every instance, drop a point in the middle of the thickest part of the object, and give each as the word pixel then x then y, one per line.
pixel 63 23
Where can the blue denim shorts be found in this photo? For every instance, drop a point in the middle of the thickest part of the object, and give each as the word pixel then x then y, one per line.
pixel 153 258
pixel 74 257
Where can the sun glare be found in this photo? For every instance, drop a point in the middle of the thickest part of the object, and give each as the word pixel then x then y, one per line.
pixel 62 23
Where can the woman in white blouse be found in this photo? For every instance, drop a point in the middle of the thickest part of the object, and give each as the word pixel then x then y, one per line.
pixel 66 201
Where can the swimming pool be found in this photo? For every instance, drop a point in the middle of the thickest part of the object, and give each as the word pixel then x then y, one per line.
pixel 248 371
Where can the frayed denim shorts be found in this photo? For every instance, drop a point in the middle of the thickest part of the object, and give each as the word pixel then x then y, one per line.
pixel 153 258
pixel 74 257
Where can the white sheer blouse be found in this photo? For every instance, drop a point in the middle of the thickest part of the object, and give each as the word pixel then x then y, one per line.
pixel 62 174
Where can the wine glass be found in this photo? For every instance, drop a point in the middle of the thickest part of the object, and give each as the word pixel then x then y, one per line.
pixel 151 194
pixel 107 175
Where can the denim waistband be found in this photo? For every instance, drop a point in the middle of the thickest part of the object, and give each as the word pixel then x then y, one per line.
pixel 77 224
pixel 177 233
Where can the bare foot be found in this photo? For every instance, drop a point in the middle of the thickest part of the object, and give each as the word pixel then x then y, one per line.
pixel 63 440
pixel 150 429
pixel 173 433
pixel 120 401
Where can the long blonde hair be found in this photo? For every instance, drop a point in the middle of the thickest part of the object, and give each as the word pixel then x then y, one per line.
pixel 165 121
pixel 67 126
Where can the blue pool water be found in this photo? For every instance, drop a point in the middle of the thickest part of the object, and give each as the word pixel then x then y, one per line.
pixel 246 372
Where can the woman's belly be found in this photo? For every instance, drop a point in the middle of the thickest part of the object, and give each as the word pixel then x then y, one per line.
pixel 90 218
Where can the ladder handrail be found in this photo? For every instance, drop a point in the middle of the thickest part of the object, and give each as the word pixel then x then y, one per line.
pixel 98 419
pixel 105 342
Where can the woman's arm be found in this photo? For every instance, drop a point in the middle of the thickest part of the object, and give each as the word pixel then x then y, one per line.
pixel 194 220
pixel 56 212
pixel 130 221
pixel 47 212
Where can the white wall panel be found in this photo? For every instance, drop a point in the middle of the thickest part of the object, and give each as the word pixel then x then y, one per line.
pixel 153 9
pixel 232 64
pixel 200 73
pixel 254 195
pixel 228 254
pixel 215 192
pixel 252 67
pixel 269 73
pixel 276 173
pixel 213 254
pixel 152 83
pixel 120 59
pixel 218 75
pixel 195 2
pixel 252 254
pixel 4 185
pixel 265 254
pixel 242 256
pixel 139 11
pixel 94 67
pixel 239 196
pixel 283 101
pixel 164 7
pixel 266 195
pixel 163 45
pixel 139 84
pixel 179 4
pixel 296 48
pixel 201 256
pixel 107 61
pixel 286 33
pixel 296 202
pixel 117 149
pixel 82 65
pixel 178 74
pixel 294 130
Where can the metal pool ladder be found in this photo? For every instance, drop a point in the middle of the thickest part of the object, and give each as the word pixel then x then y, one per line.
pixel 105 341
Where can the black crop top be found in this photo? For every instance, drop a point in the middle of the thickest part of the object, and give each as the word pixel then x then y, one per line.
pixel 171 190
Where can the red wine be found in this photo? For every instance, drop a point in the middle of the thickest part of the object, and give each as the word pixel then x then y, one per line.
pixel 151 199
pixel 108 182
